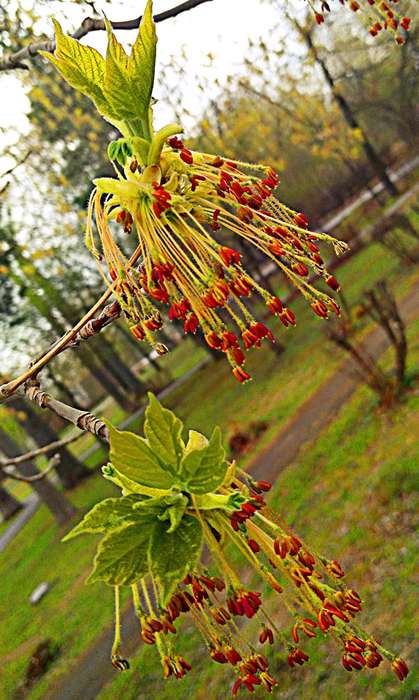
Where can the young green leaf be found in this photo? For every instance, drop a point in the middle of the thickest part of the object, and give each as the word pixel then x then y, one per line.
pixel 203 470
pixel 196 441
pixel 163 431
pixel 128 486
pixel 175 512
pixel 117 85
pixel 105 515
pixel 173 554
pixel 142 62
pixel 128 80
pixel 122 555
pixel 131 455
pixel 82 67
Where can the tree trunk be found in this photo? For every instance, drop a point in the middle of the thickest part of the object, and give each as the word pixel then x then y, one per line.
pixel 137 346
pixel 348 114
pixel 70 470
pixel 9 505
pixel 115 364
pixel 60 507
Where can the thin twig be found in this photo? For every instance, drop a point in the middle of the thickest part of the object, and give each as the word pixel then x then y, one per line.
pixel 10 388
pixel 68 338
pixel 28 456
pixel 90 24
pixel 109 313
pixel 81 419
pixel 11 170
pixel 11 473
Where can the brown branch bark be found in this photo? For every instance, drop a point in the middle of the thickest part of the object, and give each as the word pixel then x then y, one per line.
pixel 12 461
pixel 90 24
pixel 12 474
pixel 81 419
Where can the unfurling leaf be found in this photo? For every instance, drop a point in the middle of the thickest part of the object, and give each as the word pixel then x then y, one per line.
pixel 203 470
pixel 142 62
pixel 128 486
pixel 122 556
pixel 173 555
pixel 163 431
pixel 131 455
pixel 175 512
pixel 196 441
pixel 105 515
pixel 120 85
pixel 82 67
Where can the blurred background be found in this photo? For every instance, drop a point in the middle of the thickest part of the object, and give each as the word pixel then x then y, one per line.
pixel 331 413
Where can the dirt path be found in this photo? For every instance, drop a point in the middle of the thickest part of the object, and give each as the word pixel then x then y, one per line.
pixel 94 669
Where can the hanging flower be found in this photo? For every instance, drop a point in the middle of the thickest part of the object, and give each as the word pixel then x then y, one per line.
pixel 170 229
pixel 187 272
pixel 380 15
pixel 178 496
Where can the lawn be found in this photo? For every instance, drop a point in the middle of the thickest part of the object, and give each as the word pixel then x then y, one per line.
pixel 361 447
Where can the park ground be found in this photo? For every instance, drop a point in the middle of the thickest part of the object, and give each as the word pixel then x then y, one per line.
pixel 349 492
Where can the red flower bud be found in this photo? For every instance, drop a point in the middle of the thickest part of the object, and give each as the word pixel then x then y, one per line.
pixel 275 305
pixel 400 668
pixel 241 375
pixel 238 356
pixel 333 283
pixel 229 256
pixel 186 156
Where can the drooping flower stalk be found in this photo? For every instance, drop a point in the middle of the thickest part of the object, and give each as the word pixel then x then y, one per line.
pixel 377 14
pixel 178 496
pixel 310 587
pixel 175 207
pixel 179 213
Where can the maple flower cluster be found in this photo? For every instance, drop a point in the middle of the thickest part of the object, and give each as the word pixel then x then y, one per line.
pixel 176 208
pixel 379 14
pixel 310 586
pixel 178 496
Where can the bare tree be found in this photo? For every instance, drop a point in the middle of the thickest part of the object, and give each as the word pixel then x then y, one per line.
pixel 60 507
pixel 381 307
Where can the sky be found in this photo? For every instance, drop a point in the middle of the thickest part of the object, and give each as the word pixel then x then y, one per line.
pixel 220 27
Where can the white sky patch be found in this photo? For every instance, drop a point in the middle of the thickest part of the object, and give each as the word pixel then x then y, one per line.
pixel 220 27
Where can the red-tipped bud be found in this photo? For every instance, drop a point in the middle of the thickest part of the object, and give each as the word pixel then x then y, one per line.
pixel 229 256
pixel 186 156
pixel 241 375
pixel 301 220
pixel 333 283
pixel 263 485
pixel 275 305
pixel 400 668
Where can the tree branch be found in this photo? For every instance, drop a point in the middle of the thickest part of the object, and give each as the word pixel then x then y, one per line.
pixel 90 24
pixel 80 331
pixel 11 473
pixel 81 419
pixel 28 456
pixel 11 170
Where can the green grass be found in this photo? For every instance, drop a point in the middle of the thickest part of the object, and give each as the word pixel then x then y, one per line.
pixel 37 555
pixel 74 614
